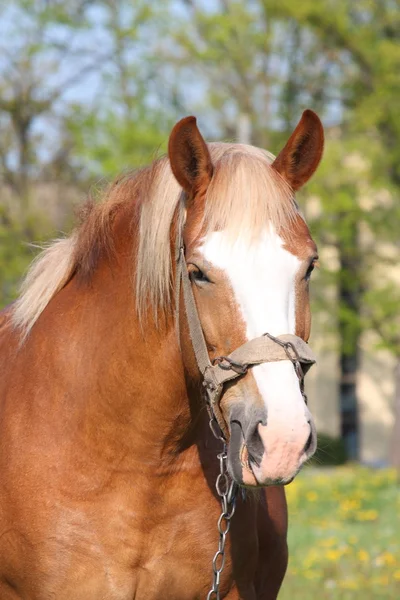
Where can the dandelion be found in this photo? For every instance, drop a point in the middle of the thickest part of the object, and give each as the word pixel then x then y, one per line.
pixel 353 539
pixel 328 542
pixel 367 515
pixel 309 574
pixel 312 496
pixel 382 580
pixel 349 584
pixel 386 558
pixel 333 555
pixel 362 555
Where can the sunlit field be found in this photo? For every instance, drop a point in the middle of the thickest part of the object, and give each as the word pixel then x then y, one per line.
pixel 344 535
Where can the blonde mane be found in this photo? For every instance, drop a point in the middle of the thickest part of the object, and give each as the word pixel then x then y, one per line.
pixel 244 194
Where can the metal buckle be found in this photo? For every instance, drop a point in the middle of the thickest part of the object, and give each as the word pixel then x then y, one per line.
pixel 289 346
pixel 227 364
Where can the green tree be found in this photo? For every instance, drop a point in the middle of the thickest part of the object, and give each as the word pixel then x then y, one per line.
pixel 130 118
pixel 40 45
pixel 44 55
pixel 269 59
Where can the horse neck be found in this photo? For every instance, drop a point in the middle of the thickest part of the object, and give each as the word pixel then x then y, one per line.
pixel 129 377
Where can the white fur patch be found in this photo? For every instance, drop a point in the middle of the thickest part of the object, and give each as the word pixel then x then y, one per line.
pixel 263 276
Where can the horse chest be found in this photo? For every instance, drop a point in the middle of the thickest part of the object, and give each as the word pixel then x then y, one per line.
pixel 93 554
pixel 176 563
pixel 172 557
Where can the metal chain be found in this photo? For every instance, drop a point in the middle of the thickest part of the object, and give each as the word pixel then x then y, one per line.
pixel 227 491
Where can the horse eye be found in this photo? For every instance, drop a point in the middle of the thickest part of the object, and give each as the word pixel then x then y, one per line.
pixel 198 275
pixel 310 270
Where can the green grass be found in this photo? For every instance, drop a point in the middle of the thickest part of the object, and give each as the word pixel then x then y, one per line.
pixel 344 535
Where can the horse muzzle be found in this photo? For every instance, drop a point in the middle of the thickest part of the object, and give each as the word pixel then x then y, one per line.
pixel 262 453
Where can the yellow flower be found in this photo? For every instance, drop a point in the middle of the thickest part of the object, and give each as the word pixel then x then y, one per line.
pixel 396 575
pixel 333 555
pixel 328 542
pixel 353 539
pixel 392 475
pixel 312 496
pixel 312 557
pixel 347 504
pixel 386 558
pixel 363 555
pixel 382 580
pixel 367 515
pixel 349 584
pixel 309 574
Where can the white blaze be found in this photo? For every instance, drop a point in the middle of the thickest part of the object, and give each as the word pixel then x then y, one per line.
pixel 263 276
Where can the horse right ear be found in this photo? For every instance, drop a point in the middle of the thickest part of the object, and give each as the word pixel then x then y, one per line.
pixel 303 151
pixel 189 157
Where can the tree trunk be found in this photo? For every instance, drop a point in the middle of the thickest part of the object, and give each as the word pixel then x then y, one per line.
pixel 350 289
pixel 349 417
pixel 22 127
pixel 394 455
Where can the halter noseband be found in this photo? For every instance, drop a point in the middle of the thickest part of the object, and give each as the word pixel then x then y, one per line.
pixel 265 348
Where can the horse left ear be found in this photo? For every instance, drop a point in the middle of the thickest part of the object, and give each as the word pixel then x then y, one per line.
pixel 189 157
pixel 301 156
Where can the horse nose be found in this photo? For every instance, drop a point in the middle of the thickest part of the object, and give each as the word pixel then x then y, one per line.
pixel 254 443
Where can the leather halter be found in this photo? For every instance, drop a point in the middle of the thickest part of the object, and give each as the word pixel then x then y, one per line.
pixel 265 348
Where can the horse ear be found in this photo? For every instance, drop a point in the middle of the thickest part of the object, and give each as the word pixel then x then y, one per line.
pixel 300 157
pixel 189 156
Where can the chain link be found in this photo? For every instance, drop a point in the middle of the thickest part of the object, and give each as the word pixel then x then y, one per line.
pixel 227 491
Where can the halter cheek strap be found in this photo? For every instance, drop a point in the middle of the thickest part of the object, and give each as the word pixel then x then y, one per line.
pixel 265 348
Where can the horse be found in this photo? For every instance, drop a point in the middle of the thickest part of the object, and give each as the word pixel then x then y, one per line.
pixel 108 463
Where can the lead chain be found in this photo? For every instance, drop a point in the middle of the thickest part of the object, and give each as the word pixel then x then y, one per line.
pixel 227 491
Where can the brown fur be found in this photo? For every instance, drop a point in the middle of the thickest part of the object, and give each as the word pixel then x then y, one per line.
pixel 107 463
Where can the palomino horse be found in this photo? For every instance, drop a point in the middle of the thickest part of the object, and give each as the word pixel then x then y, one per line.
pixel 108 465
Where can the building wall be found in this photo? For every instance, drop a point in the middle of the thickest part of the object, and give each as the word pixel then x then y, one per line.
pixel 375 393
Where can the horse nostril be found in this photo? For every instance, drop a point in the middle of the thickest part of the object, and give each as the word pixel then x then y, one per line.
pixel 308 443
pixel 254 443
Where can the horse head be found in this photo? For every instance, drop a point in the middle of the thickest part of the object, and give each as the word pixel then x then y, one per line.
pixel 250 255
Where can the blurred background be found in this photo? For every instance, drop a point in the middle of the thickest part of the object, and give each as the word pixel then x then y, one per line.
pixel 91 88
